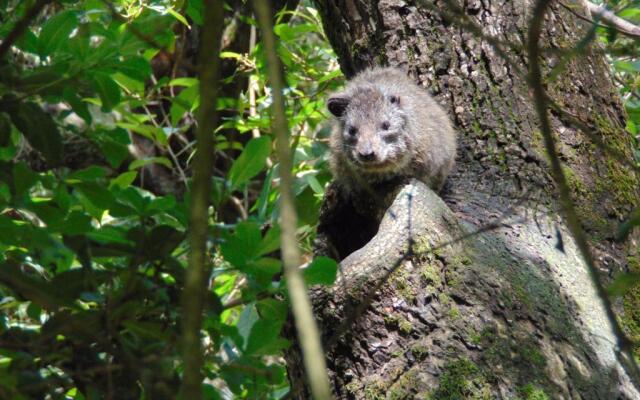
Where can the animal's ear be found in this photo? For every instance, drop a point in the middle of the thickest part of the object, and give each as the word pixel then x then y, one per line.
pixel 337 104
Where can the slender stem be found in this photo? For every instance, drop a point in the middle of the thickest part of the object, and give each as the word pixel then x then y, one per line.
pixel 197 271
pixel 306 326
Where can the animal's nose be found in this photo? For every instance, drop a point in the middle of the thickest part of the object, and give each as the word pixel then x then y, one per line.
pixel 366 155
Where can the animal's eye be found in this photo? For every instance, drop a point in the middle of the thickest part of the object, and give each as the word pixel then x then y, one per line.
pixel 352 130
pixel 390 138
pixel 385 125
pixel 394 99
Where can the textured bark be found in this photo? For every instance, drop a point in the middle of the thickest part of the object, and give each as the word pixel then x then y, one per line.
pixel 507 311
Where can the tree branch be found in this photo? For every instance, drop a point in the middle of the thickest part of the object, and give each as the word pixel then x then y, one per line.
pixel 197 272
pixel 306 326
pixel 601 13
pixel 621 25
pixel 566 203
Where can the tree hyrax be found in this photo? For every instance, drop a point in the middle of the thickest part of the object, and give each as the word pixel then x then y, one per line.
pixel 389 127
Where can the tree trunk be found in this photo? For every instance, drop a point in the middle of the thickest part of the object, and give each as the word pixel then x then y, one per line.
pixel 511 311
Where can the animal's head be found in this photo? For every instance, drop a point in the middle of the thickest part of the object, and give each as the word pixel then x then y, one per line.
pixel 372 129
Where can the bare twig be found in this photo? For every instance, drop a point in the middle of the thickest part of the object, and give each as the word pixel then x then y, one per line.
pixel 241 208
pixel 601 13
pixel 21 26
pixel 306 326
pixel 571 9
pixel 621 25
pixel 197 272
pixel 152 118
pixel 571 218
pixel 252 84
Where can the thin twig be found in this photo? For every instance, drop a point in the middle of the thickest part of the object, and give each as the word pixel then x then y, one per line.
pixel 600 12
pixel 621 25
pixel 580 16
pixel 196 276
pixel 252 84
pixel 566 203
pixel 183 176
pixel 306 326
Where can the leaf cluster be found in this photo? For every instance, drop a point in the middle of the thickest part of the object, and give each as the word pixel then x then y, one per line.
pixel 93 250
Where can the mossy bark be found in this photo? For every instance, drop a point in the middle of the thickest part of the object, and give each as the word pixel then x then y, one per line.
pixel 510 312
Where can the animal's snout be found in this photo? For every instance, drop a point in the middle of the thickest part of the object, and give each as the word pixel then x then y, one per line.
pixel 366 155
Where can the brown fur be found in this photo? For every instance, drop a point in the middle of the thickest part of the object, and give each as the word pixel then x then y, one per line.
pixel 389 127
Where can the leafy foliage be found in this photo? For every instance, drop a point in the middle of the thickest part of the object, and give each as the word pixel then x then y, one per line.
pixel 93 247
pixel 97 103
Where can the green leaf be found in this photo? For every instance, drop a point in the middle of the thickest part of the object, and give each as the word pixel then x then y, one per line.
pixel 162 241
pixel 28 42
pixel 188 82
pixel 272 309
pixel 194 10
pixel 263 199
pixel 56 31
pixel 128 84
pixel 270 242
pixel 114 152
pixel 91 173
pixel 321 271
pixel 330 75
pixel 160 204
pixel 128 201
pixel 125 179
pixel 242 246
pixel 79 107
pixel 151 160
pixel 246 321
pixel 183 102
pixel 178 16
pixel 109 234
pixel 264 338
pixel 263 269
pixel 23 178
pixel 250 162
pixel 98 195
pixel 76 223
pixel 5 194
pixel 31 288
pixel 34 311
pixel 38 128
pixel 148 330
pixel 136 68
pixel 230 54
pixel 107 89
